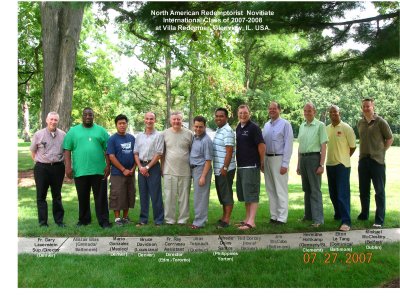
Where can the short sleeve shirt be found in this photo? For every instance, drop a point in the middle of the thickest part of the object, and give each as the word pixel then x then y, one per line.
pixel 48 146
pixel 248 138
pixel 148 145
pixel 224 136
pixel 122 147
pixel 341 139
pixel 202 150
pixel 177 151
pixel 88 146
pixel 312 136
pixel 372 138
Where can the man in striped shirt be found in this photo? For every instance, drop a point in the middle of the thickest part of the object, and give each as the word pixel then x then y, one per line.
pixel 224 164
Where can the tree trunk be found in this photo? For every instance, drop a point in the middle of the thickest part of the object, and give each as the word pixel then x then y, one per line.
pixel 26 135
pixel 61 26
pixel 168 83
pixel 192 100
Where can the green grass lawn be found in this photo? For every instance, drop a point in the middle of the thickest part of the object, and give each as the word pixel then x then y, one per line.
pixel 27 212
pixel 263 268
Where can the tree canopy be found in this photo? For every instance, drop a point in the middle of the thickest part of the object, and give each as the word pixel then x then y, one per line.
pixel 287 52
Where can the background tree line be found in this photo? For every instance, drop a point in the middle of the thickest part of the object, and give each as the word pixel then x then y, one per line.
pixel 65 62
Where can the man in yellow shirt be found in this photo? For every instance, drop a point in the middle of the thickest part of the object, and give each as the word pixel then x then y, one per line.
pixel 341 146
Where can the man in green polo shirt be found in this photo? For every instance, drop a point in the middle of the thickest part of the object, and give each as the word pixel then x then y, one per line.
pixel 90 167
pixel 375 139
pixel 312 152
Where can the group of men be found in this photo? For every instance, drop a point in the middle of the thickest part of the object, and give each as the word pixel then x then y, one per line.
pixel 177 156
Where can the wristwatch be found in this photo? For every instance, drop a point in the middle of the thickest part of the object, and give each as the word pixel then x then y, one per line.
pixel 147 167
pixel 225 168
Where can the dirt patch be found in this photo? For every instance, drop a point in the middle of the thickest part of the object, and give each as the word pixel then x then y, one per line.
pixel 25 179
pixel 395 283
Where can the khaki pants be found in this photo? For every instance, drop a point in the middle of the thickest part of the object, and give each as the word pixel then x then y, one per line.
pixel 176 187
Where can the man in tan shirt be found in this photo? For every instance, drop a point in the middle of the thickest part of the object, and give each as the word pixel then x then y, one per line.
pixel 176 170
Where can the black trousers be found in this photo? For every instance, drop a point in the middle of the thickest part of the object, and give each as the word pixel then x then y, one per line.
pixel 49 176
pixel 98 184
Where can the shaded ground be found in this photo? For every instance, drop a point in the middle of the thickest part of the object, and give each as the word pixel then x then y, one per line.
pixel 395 283
pixel 25 179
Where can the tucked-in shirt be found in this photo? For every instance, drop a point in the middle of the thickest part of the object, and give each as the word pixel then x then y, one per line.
pixel 341 139
pixel 248 138
pixel 88 146
pixel 312 136
pixel 372 138
pixel 48 146
pixel 224 136
pixel 202 150
pixel 177 151
pixel 148 145
pixel 122 147
pixel 278 138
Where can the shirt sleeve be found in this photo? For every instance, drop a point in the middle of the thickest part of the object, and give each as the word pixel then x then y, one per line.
pixel 159 144
pixel 288 146
pixel 386 131
pixel 33 146
pixel 68 140
pixel 110 146
pixel 351 137
pixel 208 150
pixel 323 137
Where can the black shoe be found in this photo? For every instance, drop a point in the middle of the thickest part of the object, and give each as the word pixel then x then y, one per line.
pixel 222 224
pixel 272 221
pixel 44 225
pixel 61 224
pixel 279 223
pixel 79 224
pixel 362 217
pixel 106 225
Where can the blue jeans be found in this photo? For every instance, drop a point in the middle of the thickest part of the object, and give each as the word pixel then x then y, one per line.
pixel 150 187
pixel 339 191
pixel 369 169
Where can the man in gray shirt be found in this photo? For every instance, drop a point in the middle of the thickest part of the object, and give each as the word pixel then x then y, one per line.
pixel 200 164
pixel 148 150
pixel 47 152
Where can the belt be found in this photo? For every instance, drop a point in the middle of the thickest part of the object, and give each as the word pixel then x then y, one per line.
pixel 51 164
pixel 273 154
pixel 145 161
pixel 310 153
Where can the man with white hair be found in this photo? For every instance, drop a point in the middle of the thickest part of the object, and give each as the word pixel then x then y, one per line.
pixel 176 170
pixel 48 154
pixel 312 152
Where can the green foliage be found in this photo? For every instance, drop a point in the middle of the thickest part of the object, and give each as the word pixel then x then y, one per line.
pixel 396 139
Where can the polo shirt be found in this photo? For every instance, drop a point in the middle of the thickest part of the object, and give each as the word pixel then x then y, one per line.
pixel 248 138
pixel 224 136
pixel 312 136
pixel 341 139
pixel 372 138
pixel 88 146
pixel 202 150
